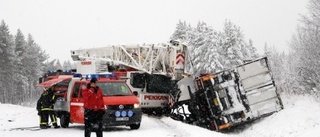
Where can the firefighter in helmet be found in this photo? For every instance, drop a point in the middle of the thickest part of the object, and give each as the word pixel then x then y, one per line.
pixel 45 106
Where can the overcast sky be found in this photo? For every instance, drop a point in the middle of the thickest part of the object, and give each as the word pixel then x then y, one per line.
pixel 59 26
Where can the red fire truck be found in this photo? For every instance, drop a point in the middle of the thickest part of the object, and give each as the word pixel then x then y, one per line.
pixel 122 106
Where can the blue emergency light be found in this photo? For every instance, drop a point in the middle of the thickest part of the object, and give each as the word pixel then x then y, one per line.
pixel 124 113
pixel 89 76
pixel 68 70
pixel 117 113
pixel 77 75
pixel 50 71
pixel 110 75
pixel 130 113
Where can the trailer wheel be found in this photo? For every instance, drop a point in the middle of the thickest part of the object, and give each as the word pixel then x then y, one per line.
pixel 64 120
pixel 135 126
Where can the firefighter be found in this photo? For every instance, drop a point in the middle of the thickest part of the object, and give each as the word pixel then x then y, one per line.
pixel 94 109
pixel 45 108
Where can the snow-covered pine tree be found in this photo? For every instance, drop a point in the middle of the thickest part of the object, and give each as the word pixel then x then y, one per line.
pixel 199 47
pixel 67 65
pixel 7 59
pixel 50 65
pixel 285 73
pixel 58 65
pixel 55 65
pixel 211 56
pixel 305 45
pixel 252 50
pixel 213 51
pixel 182 32
pixel 234 49
pixel 21 64
pixel 34 65
pixel 20 76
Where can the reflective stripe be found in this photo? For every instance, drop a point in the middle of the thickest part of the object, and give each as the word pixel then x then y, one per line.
pixel 76 104
pixel 54 119
pixel 46 109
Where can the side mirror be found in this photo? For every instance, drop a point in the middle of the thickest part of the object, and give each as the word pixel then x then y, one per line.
pixel 135 93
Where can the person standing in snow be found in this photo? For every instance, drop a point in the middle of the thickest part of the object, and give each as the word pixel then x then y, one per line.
pixel 94 108
pixel 45 106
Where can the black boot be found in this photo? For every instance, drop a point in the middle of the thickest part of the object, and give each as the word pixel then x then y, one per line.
pixel 43 126
pixel 56 126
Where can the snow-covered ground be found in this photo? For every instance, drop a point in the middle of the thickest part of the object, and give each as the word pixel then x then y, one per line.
pixel 300 118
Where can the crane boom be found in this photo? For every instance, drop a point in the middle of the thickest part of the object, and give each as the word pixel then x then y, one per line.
pixel 163 58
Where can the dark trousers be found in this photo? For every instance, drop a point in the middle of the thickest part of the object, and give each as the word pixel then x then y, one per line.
pixel 44 118
pixel 93 122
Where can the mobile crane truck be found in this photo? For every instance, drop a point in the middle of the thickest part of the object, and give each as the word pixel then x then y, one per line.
pixel 149 69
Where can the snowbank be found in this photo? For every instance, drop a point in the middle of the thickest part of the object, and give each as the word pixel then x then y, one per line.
pixel 299 118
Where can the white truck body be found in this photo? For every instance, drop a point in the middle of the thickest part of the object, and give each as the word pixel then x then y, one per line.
pixel 259 88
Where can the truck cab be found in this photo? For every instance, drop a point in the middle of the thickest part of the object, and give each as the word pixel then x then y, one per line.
pixel 153 95
pixel 122 106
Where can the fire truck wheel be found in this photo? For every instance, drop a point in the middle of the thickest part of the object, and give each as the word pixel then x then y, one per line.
pixel 64 120
pixel 135 126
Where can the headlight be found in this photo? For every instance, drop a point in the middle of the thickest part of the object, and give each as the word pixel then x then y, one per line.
pixel 117 113
pixel 130 113
pixel 136 106
pixel 123 113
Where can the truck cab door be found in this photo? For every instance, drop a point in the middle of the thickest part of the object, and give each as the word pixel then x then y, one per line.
pixel 76 105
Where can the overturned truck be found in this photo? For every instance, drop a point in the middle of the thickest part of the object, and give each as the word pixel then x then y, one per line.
pixel 228 98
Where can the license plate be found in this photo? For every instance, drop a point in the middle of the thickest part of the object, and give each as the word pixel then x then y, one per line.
pixel 122 119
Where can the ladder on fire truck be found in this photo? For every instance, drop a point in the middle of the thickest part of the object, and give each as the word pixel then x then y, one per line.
pixel 164 58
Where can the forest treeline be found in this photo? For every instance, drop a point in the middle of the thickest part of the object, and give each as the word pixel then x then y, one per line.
pixel 296 71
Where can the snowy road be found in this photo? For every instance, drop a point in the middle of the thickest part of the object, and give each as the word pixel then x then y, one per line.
pixel 300 118
pixel 16 117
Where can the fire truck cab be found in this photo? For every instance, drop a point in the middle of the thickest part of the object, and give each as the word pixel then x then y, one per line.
pixel 122 106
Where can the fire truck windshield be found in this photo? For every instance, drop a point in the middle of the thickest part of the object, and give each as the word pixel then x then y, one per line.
pixel 114 89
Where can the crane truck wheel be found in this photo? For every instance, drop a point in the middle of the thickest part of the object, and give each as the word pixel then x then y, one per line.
pixel 64 120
